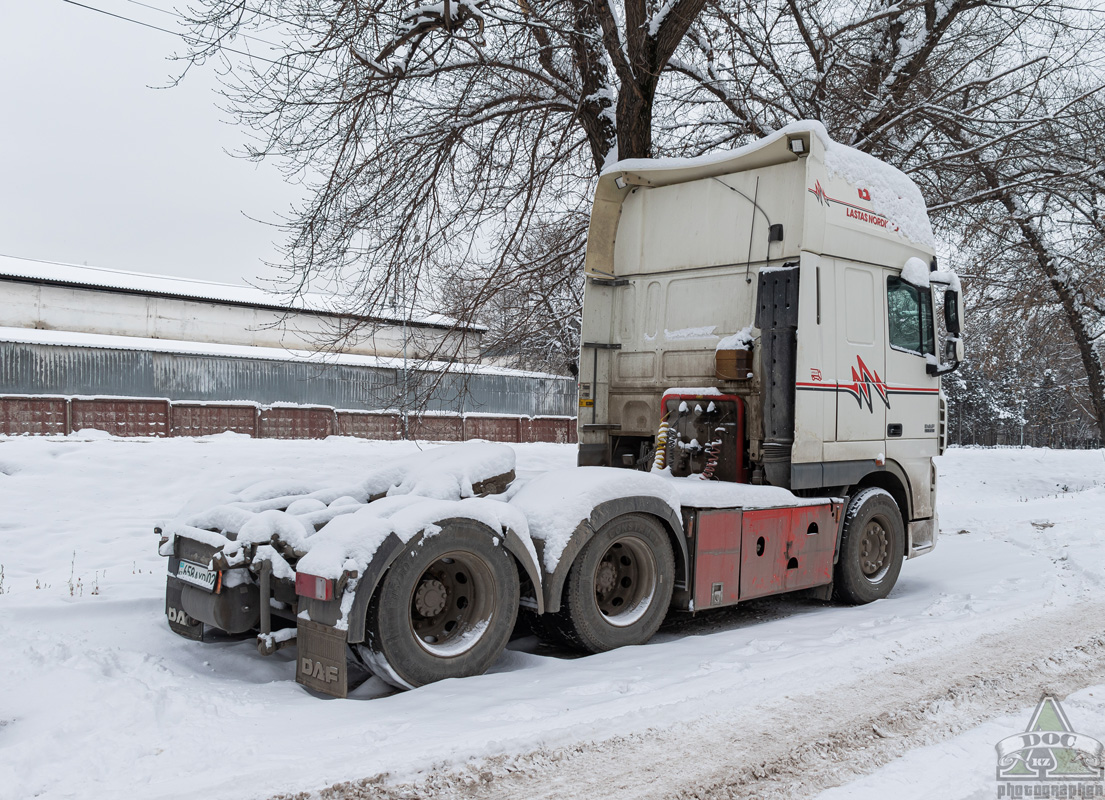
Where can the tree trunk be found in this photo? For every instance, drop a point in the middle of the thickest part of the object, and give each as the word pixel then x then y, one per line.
pixel 649 44
pixel 1083 336
pixel 635 120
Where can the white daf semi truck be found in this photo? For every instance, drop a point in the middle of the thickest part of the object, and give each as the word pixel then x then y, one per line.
pixel 764 332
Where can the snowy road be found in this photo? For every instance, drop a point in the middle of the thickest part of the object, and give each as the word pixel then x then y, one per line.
pixel 99 699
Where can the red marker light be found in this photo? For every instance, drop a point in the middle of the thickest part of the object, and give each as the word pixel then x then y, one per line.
pixel 313 586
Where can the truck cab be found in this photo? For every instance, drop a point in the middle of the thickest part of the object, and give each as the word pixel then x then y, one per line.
pixel 796 276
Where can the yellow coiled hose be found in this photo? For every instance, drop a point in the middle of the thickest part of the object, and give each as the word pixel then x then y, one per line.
pixel 661 447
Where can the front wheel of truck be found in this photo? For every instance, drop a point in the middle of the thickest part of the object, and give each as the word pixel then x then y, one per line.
pixel 445 608
pixel 872 547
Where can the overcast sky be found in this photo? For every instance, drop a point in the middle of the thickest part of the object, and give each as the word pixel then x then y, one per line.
pixel 98 168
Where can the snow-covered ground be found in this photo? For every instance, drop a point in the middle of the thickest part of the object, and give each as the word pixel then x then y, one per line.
pixel 99 699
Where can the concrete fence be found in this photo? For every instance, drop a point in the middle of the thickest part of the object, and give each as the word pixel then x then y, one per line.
pixel 127 416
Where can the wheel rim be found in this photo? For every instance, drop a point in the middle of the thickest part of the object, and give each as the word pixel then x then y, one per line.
pixel 874 551
pixel 451 604
pixel 625 581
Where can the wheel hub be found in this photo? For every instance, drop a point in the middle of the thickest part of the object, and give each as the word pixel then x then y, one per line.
pixel 625 579
pixel 606 578
pixel 430 598
pixel 452 603
pixel 874 547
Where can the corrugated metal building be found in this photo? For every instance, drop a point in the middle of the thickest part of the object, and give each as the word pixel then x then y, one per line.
pixel 79 332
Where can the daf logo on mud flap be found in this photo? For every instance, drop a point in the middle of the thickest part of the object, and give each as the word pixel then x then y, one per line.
pixel 179 617
pixel 317 670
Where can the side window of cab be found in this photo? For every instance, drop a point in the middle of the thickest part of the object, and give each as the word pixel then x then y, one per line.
pixel 909 317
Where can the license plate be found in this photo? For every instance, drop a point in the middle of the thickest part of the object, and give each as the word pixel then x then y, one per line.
pixel 197 575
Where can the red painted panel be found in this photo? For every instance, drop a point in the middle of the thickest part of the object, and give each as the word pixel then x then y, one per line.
pixel 717 558
pixel 811 546
pixel 293 422
pixel 495 429
pixel 205 420
pixel 33 416
pixel 784 549
pixel 765 535
pixel 122 417
pixel 437 429
pixel 369 426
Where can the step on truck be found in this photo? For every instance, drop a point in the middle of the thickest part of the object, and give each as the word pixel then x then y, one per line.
pixel 764 332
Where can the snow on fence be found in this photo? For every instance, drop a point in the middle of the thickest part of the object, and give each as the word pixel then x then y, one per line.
pixel 127 416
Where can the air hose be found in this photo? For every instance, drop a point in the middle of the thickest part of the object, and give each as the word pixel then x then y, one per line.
pixel 713 454
pixel 661 447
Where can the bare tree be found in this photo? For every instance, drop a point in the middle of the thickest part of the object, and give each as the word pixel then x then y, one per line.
pixel 445 145
pixel 991 108
pixel 451 148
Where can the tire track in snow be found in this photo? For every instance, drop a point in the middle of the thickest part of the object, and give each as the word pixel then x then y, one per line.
pixel 803 745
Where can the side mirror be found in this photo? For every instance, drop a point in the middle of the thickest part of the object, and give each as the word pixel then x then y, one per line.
pixel 952 311
pixel 948 329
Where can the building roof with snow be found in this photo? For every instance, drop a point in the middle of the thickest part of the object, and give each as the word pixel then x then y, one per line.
pixel 47 295
pixel 13 268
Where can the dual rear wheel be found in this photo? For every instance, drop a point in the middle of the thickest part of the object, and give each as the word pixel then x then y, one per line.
pixel 618 589
pixel 445 609
pixel 447 606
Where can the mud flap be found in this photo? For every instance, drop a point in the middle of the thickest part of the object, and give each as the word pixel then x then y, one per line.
pixel 179 621
pixel 321 662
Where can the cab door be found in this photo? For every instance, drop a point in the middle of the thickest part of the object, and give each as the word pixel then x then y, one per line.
pixel 912 417
pixel 861 399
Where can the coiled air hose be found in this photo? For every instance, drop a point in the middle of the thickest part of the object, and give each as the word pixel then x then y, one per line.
pixel 661 447
pixel 713 454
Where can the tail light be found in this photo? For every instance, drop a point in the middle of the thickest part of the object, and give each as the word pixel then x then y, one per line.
pixel 313 586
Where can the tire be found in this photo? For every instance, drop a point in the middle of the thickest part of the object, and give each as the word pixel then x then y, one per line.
pixel 619 588
pixel 872 547
pixel 445 608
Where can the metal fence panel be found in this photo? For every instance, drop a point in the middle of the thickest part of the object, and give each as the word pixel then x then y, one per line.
pixel 497 429
pixel 122 417
pixel 203 420
pixel 296 423
pixel 437 429
pixel 34 416
pixel 557 430
pixel 369 426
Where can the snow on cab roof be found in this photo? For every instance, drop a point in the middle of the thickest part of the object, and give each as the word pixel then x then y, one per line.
pixel 82 276
pixel 893 193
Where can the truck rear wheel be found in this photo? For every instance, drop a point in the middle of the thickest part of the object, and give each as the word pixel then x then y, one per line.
pixel 619 588
pixel 871 548
pixel 445 609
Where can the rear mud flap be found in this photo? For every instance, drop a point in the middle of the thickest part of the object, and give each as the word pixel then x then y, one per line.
pixel 179 622
pixel 321 662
